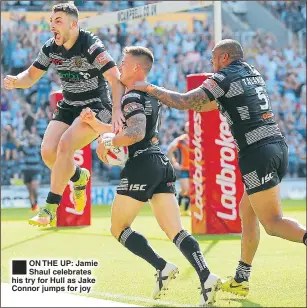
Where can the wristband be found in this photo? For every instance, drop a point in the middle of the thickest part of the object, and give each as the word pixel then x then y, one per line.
pixel 108 143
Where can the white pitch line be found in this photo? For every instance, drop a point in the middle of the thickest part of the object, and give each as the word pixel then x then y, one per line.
pixel 138 299
pixel 10 298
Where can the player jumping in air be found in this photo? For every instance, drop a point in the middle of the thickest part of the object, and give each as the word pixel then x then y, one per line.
pixel 238 90
pixel 149 176
pixel 181 146
pixel 84 66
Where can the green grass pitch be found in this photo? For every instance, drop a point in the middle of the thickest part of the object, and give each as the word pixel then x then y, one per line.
pixel 278 276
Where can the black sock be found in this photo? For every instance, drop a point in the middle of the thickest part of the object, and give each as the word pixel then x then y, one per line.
pixel 76 176
pixel 305 239
pixel 138 245
pixel 53 198
pixel 191 250
pixel 242 272
pixel 187 203
pixel 180 197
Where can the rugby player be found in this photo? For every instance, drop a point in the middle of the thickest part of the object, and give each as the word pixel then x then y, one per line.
pixel 84 66
pixel 149 176
pixel 181 144
pixel 238 90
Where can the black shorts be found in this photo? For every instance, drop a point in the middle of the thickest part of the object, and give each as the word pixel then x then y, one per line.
pixel 67 114
pixel 146 175
pixel 30 175
pixel 265 167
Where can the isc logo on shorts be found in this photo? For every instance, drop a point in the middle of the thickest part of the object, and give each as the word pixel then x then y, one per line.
pixel 137 187
pixel 266 178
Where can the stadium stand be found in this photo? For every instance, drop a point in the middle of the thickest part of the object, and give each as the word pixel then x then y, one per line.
pixel 177 51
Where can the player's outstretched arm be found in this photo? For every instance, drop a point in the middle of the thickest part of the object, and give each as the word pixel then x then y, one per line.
pixel 87 116
pixel 133 133
pixel 118 90
pixel 196 99
pixel 24 80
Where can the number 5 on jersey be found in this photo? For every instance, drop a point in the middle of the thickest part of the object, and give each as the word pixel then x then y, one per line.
pixel 263 95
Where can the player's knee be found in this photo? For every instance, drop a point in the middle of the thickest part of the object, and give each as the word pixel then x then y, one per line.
pixel 117 229
pixel 65 146
pixel 48 154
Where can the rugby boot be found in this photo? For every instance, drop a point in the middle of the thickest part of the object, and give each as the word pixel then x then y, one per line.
pixel 80 190
pixel 45 217
pixel 209 289
pixel 237 288
pixel 163 279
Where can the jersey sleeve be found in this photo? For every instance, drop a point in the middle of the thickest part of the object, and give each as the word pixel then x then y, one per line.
pixel 216 86
pixel 43 60
pixel 97 54
pixel 132 104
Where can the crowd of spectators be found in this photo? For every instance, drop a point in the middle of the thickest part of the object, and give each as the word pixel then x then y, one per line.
pixel 83 5
pixel 292 13
pixel 178 52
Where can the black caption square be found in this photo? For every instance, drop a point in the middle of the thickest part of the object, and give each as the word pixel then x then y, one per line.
pixel 19 267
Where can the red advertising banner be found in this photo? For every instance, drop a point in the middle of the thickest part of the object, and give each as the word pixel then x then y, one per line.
pixel 66 214
pixel 216 187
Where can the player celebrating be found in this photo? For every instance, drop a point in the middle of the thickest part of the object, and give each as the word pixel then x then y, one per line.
pixel 181 143
pixel 84 67
pixel 239 92
pixel 149 175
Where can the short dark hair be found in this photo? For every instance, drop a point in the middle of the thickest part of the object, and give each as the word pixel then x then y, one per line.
pixel 68 8
pixel 232 47
pixel 140 51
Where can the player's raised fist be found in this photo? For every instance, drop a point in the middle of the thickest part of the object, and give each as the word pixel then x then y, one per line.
pixel 101 149
pixel 9 82
pixel 87 115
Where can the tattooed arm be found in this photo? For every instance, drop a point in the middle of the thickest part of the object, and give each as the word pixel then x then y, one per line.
pixel 133 133
pixel 196 99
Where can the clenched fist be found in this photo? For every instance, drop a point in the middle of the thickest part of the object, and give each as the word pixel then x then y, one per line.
pixel 9 82
pixel 87 115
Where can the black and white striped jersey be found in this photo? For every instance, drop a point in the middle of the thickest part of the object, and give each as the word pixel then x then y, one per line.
pixel 136 102
pixel 240 93
pixel 80 68
pixel 32 157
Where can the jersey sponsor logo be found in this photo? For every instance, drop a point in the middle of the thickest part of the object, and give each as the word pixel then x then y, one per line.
pixel 85 75
pixel 73 76
pixel 93 47
pixel 227 176
pixel 267 178
pixel 56 61
pixel 131 95
pixel 267 115
pixel 132 107
pixel 103 58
